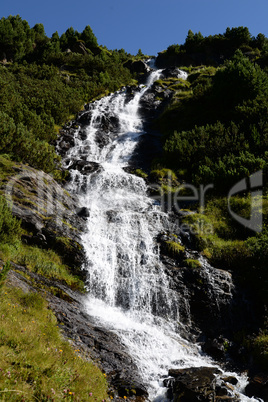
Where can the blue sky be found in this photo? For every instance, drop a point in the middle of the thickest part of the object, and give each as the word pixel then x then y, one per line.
pixel 151 25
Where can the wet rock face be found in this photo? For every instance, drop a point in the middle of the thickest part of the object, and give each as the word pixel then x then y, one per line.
pixel 199 384
pixel 48 212
pixel 171 72
pixel 205 293
pixel 258 386
pixel 85 167
pixel 137 66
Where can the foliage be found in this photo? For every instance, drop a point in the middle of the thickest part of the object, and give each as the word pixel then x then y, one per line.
pixel 16 38
pixel 191 263
pixel 220 134
pixel 213 50
pixel 229 245
pixel 3 273
pixel 141 173
pixel 43 262
pixel 260 349
pixel 42 85
pixel 36 363
pixel 10 229
pixel 174 249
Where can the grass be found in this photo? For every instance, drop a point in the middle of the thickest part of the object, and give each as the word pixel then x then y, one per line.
pixel 180 87
pixel 36 364
pixel 260 345
pixel 44 262
pixel 221 239
pixel 191 263
pixel 175 250
pixel 216 235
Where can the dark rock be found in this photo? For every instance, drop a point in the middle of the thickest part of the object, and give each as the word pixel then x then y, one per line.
pixel 47 211
pixel 102 138
pixel 205 305
pixel 83 212
pixel 79 47
pixel 214 348
pixel 85 167
pixel 128 386
pixel 113 216
pixel 137 66
pixel 82 134
pixel 85 117
pixel 230 380
pixel 171 72
pixel 194 384
pixel 258 386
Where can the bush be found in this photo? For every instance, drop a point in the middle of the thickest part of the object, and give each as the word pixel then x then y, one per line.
pixel 10 227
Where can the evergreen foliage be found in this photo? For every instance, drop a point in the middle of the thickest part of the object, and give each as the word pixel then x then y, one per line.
pixel 220 134
pixel 10 229
pixel 42 85
pixel 214 50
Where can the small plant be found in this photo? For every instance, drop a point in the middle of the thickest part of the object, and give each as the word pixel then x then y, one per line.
pixel 3 273
pixel 191 263
pixel 175 250
pixel 10 229
pixel 141 173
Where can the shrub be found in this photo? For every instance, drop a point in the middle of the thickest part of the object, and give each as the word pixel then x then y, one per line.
pixel 10 228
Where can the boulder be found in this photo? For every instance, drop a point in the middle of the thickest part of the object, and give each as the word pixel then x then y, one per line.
pixel 193 384
pixel 198 384
pixel 83 212
pixel 79 47
pixel 137 66
pixel 84 167
pixel 85 117
pixel 215 347
pixel 258 386
pixel 171 72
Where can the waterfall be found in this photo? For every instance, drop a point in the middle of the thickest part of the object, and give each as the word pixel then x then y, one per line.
pixel 128 290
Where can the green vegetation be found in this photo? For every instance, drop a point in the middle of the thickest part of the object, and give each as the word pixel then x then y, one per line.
pixel 3 274
pixel 260 348
pixel 36 363
pixel 215 136
pixel 44 262
pixel 191 263
pixel 213 50
pixel 10 230
pixel 218 134
pixel 229 245
pixel 175 250
pixel 44 81
pixel 141 173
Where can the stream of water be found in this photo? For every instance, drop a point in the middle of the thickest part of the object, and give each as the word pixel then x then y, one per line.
pixel 128 289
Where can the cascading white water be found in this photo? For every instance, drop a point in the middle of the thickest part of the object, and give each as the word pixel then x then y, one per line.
pixel 128 289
